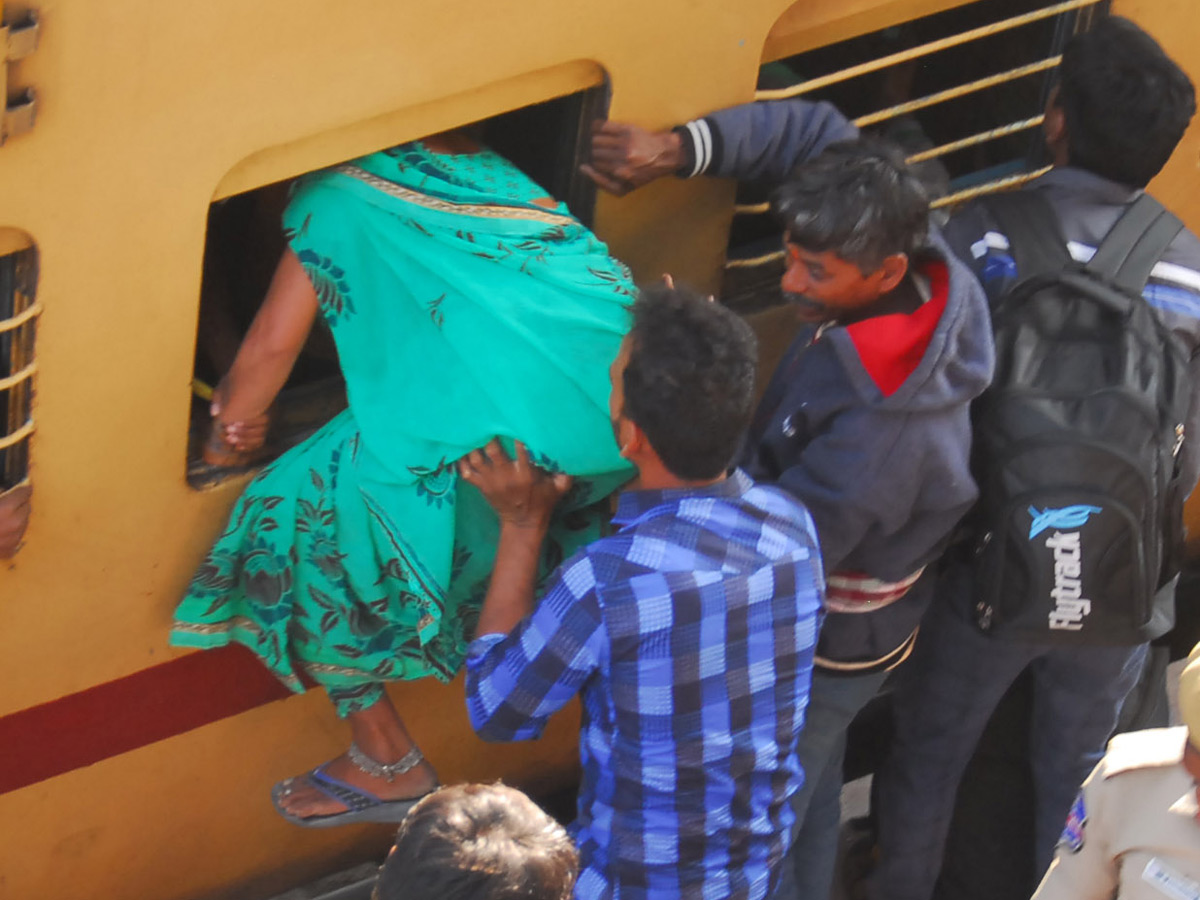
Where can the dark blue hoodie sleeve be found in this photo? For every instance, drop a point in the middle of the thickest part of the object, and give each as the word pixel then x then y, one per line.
pixel 764 141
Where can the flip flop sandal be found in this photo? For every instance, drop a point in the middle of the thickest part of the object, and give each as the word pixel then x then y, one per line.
pixel 361 806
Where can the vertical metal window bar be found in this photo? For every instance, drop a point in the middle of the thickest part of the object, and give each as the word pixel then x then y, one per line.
pixel 19 311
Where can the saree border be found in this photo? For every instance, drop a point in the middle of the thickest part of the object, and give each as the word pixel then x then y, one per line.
pixel 463 209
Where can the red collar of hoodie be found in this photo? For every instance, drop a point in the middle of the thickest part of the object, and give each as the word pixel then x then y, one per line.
pixel 892 346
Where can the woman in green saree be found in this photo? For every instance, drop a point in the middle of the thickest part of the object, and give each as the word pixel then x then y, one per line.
pixel 464 304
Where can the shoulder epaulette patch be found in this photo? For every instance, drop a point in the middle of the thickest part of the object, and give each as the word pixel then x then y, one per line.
pixel 1072 836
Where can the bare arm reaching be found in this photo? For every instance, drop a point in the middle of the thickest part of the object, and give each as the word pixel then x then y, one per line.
pixel 263 363
pixel 524 497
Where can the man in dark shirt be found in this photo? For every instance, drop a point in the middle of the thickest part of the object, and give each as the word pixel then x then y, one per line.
pixel 688 634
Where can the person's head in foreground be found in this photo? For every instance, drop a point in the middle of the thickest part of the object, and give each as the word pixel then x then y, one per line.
pixel 1121 104
pixel 478 842
pixel 853 217
pixel 1189 711
pixel 682 385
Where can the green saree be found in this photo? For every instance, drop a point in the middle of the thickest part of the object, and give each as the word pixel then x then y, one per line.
pixel 461 311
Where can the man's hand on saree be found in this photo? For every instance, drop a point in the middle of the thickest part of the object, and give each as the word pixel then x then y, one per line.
pixel 522 494
pixel 625 157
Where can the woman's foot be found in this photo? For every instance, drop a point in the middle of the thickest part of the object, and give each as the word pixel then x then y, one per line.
pixel 302 799
pixel 383 762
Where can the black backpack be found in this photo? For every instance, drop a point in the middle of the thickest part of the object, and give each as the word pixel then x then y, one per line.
pixel 1076 443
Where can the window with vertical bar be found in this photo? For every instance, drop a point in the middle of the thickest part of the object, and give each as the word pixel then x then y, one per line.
pixel 19 311
pixel 961 91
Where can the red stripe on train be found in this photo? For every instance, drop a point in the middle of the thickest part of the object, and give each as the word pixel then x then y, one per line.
pixel 118 716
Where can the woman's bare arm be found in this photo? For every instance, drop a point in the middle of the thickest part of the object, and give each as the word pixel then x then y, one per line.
pixel 266 356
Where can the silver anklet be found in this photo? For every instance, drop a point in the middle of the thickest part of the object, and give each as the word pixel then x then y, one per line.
pixel 376 769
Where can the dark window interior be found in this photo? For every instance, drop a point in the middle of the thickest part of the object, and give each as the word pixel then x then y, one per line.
pixel 546 140
pixel 549 141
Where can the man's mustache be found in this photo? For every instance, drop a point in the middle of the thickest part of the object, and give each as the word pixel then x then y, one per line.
pixel 805 303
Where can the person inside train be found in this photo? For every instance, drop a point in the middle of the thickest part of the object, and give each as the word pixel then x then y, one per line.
pixel 688 634
pixel 478 842
pixel 464 304
pixel 866 419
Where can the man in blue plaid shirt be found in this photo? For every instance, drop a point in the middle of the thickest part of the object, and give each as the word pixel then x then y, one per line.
pixel 688 633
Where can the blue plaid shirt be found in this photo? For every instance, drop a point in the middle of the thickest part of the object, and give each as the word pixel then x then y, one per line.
pixel 689 634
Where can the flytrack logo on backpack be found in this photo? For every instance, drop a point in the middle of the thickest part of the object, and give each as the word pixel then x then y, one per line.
pixel 1070 606
pixel 1067 517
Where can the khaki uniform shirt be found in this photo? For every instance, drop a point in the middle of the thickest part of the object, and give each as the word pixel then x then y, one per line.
pixel 1132 833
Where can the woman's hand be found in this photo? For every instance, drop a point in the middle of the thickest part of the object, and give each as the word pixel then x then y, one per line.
pixel 245 434
pixel 230 447
pixel 233 443
pixel 522 494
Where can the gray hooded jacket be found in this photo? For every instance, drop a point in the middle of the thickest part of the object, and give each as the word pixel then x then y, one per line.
pixel 869 423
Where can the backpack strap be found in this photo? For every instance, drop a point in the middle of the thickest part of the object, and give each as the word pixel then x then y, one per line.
pixel 1135 243
pixel 1034 236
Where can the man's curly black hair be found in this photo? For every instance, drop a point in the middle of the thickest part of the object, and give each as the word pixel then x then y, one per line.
pixel 689 382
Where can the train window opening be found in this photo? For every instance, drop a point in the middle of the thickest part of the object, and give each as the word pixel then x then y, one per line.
pixel 961 91
pixel 244 241
pixel 19 311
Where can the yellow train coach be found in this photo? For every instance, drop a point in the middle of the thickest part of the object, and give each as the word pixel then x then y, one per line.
pixel 145 146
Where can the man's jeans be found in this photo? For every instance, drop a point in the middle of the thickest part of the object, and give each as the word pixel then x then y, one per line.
pixel 833 703
pixel 943 700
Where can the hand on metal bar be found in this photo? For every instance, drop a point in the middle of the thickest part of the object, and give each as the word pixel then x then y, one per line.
pixel 625 157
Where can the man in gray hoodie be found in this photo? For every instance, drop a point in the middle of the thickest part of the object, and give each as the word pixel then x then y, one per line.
pixel 866 418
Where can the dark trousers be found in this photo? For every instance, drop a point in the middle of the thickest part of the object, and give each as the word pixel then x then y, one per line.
pixel 808 869
pixel 989 853
pixel 942 702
